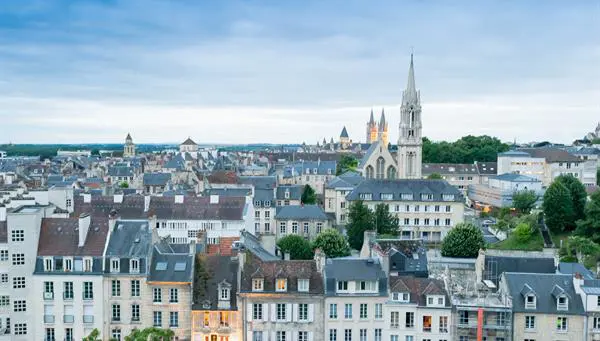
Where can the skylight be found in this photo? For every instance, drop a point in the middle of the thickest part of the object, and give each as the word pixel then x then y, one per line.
pixel 161 266
pixel 180 266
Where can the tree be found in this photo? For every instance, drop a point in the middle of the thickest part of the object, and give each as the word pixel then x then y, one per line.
pixel 590 226
pixel 360 219
pixel 524 200
pixel 151 333
pixel 558 207
pixel 309 197
pixel 522 232
pixel 578 195
pixel 465 150
pixel 435 176
pixel 124 184
pixel 94 336
pixel 464 240
pixel 346 163
pixel 582 247
pixel 296 246
pixel 384 221
pixel 332 243
pixel 598 177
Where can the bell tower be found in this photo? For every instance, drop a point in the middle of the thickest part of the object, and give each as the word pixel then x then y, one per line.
pixel 410 142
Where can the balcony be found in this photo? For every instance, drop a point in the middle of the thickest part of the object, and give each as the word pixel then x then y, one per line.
pixel 135 320
pixel 48 296
pixel 88 318
pixel 67 296
pixel 68 318
pixel 48 318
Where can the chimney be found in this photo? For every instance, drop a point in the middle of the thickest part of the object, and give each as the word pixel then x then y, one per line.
pixel 112 219
pixel 2 212
pixel 370 237
pixel 179 198
pixel 286 256
pixel 146 203
pixel 320 259
pixel 214 199
pixel 118 198
pixel 192 247
pixel 87 198
pixel 84 227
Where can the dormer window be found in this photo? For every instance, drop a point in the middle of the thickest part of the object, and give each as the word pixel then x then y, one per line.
pixel 530 302
pixel 427 197
pixel 435 300
pixel 257 284
pixel 365 196
pixel 48 264
pixel 366 286
pixel 342 286
pixel 314 171
pixel 115 265
pixel 224 294
pixel 87 264
pixel 267 203
pixel 281 284
pixel 387 196
pixel 562 303
pixel 134 266
pixel 406 196
pixel 287 194
pixel 67 264
pixel 307 171
pixel 448 197
pixel 329 171
pixel 303 285
pixel 400 296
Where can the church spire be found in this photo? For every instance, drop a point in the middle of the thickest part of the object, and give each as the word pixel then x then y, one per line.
pixel 382 120
pixel 410 94
pixel 372 120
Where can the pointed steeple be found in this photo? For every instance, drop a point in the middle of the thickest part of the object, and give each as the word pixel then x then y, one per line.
pixel 410 94
pixel 382 120
pixel 372 120
pixel 128 138
pixel 344 133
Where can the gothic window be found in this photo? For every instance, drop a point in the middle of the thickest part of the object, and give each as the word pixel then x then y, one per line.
pixel 410 163
pixel 380 168
pixel 411 133
pixel 369 172
pixel 391 173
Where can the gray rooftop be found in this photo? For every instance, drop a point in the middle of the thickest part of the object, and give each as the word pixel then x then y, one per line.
pixel 130 238
pixel 354 269
pixel 171 267
pixel 416 187
pixel 156 179
pixel 294 192
pixel 300 212
pixel 512 177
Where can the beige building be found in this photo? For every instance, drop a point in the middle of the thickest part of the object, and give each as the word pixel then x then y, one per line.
pixel 129 148
pixel 304 220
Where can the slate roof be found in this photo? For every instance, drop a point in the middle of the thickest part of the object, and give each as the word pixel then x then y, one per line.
pixel 300 167
pixel 346 180
pixel 419 288
pixel 130 238
pixel 591 286
pixel 3 232
pixel 252 245
pixel 176 163
pixel 543 286
pixel 189 142
pixel 512 177
pixel 60 237
pixel 262 195
pixel 372 148
pixel 230 192
pixel 406 256
pixel 551 154
pixel 295 192
pixel 449 168
pixel 354 269
pixel 193 208
pixel 170 258
pixel 344 132
pixel 495 266
pixel 120 171
pixel 416 187
pixel 573 268
pixel 156 179
pixel 292 270
pixel 487 168
pixel 300 212
pixel 218 269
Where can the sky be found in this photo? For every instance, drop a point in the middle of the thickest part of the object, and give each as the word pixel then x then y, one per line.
pixel 295 71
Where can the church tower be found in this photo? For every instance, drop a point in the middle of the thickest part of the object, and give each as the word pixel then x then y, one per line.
pixel 383 129
pixel 129 148
pixel 410 141
pixel 371 129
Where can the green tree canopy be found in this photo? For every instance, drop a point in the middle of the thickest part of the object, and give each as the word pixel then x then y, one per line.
pixel 583 247
pixel 524 200
pixel 434 176
pixel 94 336
pixel 384 221
pixel 360 219
pixel 578 195
pixel 347 163
pixel 558 207
pixel 309 197
pixel 464 241
pixel 522 232
pixel 598 177
pixel 124 184
pixel 332 243
pixel 298 247
pixel 467 149
pixel 590 226
pixel 150 334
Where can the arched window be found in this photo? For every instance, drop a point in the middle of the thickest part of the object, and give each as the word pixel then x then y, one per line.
pixel 391 173
pixel 410 163
pixel 369 172
pixel 380 168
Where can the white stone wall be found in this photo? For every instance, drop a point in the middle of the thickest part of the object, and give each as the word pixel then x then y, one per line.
pixel 355 324
pixel 545 327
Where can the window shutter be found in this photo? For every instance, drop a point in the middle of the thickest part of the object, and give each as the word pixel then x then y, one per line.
pixel 249 312
pixel 265 309
pixel 294 335
pixel 295 312
pixel 273 313
pixel 311 313
pixel 273 336
pixel 288 315
pixel 310 334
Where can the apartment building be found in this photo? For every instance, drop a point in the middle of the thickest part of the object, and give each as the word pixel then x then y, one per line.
pixel 589 292
pixel 426 209
pixel 67 298
pixel 264 202
pixel 356 291
pixel 304 220
pixel 336 191
pixel 313 173
pixel 126 267
pixel 287 195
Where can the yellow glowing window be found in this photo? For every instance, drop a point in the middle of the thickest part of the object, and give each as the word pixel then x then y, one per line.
pixel 281 284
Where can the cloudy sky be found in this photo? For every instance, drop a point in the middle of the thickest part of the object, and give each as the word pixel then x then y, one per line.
pixel 293 71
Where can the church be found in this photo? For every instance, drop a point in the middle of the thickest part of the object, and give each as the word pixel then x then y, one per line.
pixel 378 162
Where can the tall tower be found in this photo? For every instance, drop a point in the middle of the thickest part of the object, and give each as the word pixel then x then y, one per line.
pixel 371 129
pixel 383 129
pixel 129 148
pixel 410 142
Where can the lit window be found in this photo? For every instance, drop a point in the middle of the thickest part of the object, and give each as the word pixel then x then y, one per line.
pixel 281 284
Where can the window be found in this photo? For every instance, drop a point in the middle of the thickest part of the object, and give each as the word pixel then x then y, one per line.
pixel 436 208
pixel 4 278
pixel 282 227
pixel 333 311
pixel 48 290
pixel 362 334
pixel 281 310
pixel 257 214
pixel 20 305
pixel 319 227
pixel 116 334
pixel 68 334
pixel 280 336
pixel 173 319
pixel 378 333
pixel 116 288
pixel 596 323
pixel 157 318
pixel 427 323
pixel 347 334
pixel 88 290
pixel 134 266
pixel 67 264
pixel 395 320
pixel 173 295
pixel 367 286
pixel 116 312
pixel 409 321
pixel 69 202
pixel 267 227
pixel 448 208
pixel 156 295
pixel 257 284
pixel 302 336
pixel 257 311
pixel 115 265
pixel 530 302
pixel 447 222
pixel 348 311
pixel 342 286
pixel 281 284
pixel 303 285
pixel 529 322
pixel 443 324
pixel 332 334
pixel 378 310
pixel 87 264
pixel 302 312
pixel 3 255
pixel 305 224
pixel 18 282
pixel 135 313
pixel 4 301
pixel 20 328
pixel 18 259
pixel 363 311
pixel 17 235
pixel 49 334
pixel 257 335
pixel 135 288
pixel 561 324
pixel 267 214
pixel 400 296
pixel 562 303
pixel 224 294
pixel 295 227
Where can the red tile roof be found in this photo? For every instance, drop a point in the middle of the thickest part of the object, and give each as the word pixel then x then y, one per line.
pixel 60 237
pixel 223 248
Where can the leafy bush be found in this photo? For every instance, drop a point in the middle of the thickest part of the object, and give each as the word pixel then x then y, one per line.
pixel 332 243
pixel 464 240
pixel 296 246
pixel 522 232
